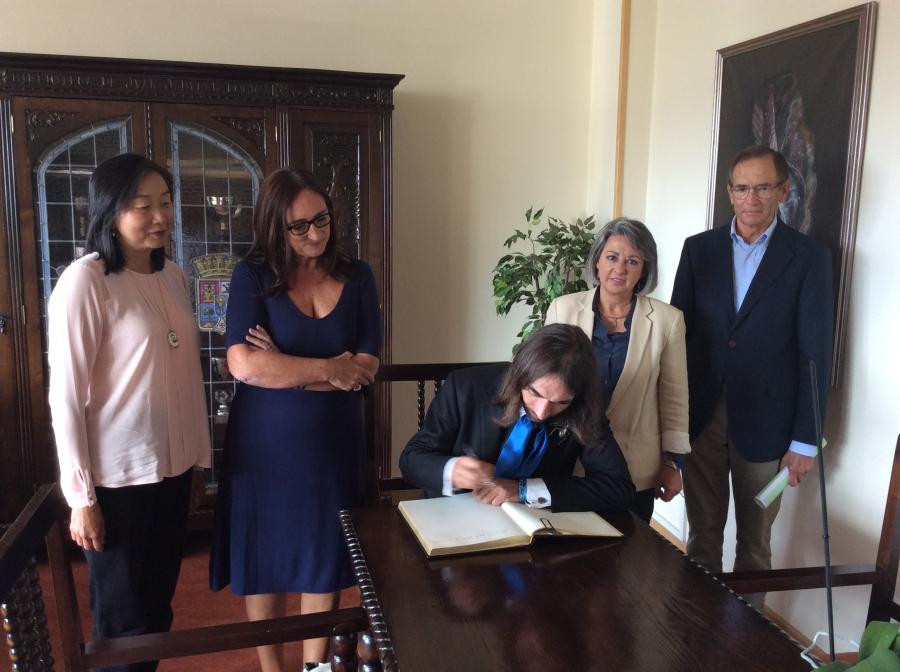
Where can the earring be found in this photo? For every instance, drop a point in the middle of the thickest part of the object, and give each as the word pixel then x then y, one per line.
pixel 114 233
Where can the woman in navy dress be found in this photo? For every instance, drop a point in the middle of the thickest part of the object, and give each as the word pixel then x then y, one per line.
pixel 303 336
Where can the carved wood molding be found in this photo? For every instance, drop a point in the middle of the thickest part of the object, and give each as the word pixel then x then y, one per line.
pixel 254 129
pixel 18 328
pixel 336 160
pixel 38 121
pixel 186 83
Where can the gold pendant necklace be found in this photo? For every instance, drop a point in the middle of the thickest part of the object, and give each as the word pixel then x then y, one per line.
pixel 158 306
pixel 172 336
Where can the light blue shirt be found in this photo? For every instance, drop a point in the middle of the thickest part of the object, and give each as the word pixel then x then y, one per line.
pixel 746 258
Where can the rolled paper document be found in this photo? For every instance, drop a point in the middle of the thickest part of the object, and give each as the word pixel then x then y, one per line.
pixel 772 489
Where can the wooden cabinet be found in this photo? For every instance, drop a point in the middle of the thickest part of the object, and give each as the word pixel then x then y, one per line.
pixel 220 130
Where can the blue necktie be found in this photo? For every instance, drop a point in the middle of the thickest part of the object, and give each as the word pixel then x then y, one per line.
pixel 524 448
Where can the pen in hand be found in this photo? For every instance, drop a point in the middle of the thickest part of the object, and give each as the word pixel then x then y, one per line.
pixel 470 452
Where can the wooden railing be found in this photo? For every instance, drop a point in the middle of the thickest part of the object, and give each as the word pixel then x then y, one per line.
pixel 21 600
pixel 882 575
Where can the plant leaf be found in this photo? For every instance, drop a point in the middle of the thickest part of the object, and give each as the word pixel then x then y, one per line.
pixel 551 267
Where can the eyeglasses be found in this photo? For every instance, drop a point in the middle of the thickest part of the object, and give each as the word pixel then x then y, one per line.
pixel 301 226
pixel 763 191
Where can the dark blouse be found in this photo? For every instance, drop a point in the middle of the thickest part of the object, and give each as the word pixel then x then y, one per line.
pixel 610 349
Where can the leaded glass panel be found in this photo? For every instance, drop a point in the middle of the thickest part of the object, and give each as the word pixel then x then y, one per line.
pixel 62 175
pixel 216 185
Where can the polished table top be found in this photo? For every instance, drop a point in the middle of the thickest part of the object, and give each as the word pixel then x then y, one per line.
pixel 634 603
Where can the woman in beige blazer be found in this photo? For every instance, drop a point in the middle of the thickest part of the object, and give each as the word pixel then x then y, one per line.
pixel 640 349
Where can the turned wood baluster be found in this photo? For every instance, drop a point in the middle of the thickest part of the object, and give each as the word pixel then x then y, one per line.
pixel 25 624
pixel 348 656
pixel 420 399
pixel 420 402
pixel 369 660
pixel 343 648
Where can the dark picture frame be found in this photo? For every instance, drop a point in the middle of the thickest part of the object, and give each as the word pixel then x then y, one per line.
pixel 803 90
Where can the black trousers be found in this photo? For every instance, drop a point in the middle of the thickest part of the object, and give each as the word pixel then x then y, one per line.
pixel 132 580
pixel 642 506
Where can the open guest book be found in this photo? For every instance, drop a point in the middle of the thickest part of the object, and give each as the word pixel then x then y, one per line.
pixel 462 524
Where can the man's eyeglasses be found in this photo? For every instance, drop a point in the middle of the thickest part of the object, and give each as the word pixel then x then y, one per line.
pixel 763 191
pixel 301 226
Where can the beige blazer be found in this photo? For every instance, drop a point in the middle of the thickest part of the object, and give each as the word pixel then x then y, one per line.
pixel 648 411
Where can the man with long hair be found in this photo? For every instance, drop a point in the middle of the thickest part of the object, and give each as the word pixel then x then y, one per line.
pixel 513 432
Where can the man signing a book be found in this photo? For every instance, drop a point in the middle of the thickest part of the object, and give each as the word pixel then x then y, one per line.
pixel 513 432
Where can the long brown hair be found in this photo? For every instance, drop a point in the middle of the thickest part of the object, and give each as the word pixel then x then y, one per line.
pixel 559 350
pixel 270 244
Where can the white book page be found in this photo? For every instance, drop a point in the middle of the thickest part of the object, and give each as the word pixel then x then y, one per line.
pixel 461 520
pixel 576 523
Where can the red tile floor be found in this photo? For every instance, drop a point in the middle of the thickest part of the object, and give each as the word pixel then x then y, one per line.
pixel 195 606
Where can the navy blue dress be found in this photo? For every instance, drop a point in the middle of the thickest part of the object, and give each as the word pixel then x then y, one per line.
pixel 292 457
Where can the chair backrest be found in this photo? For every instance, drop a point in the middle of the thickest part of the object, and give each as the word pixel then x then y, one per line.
pixel 380 436
pixel 882 606
pixel 882 575
pixel 41 521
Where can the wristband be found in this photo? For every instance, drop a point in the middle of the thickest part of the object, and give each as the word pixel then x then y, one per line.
pixel 523 491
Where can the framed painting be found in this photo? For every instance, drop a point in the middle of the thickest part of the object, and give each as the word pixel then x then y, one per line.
pixel 804 91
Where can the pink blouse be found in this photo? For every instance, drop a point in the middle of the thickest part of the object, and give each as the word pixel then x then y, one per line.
pixel 127 408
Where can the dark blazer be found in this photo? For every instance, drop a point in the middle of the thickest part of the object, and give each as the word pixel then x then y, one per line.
pixel 461 418
pixel 759 356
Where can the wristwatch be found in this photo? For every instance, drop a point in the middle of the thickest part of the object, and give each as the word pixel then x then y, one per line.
pixel 669 462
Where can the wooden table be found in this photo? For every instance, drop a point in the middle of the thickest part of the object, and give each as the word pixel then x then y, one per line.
pixel 634 603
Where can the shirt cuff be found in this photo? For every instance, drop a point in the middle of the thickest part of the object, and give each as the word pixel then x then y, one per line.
pixel 78 489
pixel 447 486
pixel 537 496
pixel 803 448
pixel 677 458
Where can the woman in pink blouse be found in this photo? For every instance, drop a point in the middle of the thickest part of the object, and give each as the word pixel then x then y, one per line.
pixel 127 400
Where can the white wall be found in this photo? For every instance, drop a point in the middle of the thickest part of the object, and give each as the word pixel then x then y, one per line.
pixel 492 117
pixel 862 423
pixel 511 102
pixel 604 102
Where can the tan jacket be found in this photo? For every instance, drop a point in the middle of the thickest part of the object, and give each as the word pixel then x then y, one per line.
pixel 648 411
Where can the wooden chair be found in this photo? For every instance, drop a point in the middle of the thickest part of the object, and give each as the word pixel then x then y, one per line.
pixel 436 374
pixel 882 575
pixel 21 603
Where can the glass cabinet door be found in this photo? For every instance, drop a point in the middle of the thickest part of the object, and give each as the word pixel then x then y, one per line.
pixel 61 177
pixel 216 185
pixel 217 176
pixel 61 142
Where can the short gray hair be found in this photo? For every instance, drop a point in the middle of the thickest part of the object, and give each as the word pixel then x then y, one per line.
pixel 640 237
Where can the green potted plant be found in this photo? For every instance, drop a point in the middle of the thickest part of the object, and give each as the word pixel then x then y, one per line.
pixel 551 264
pixel 879 651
